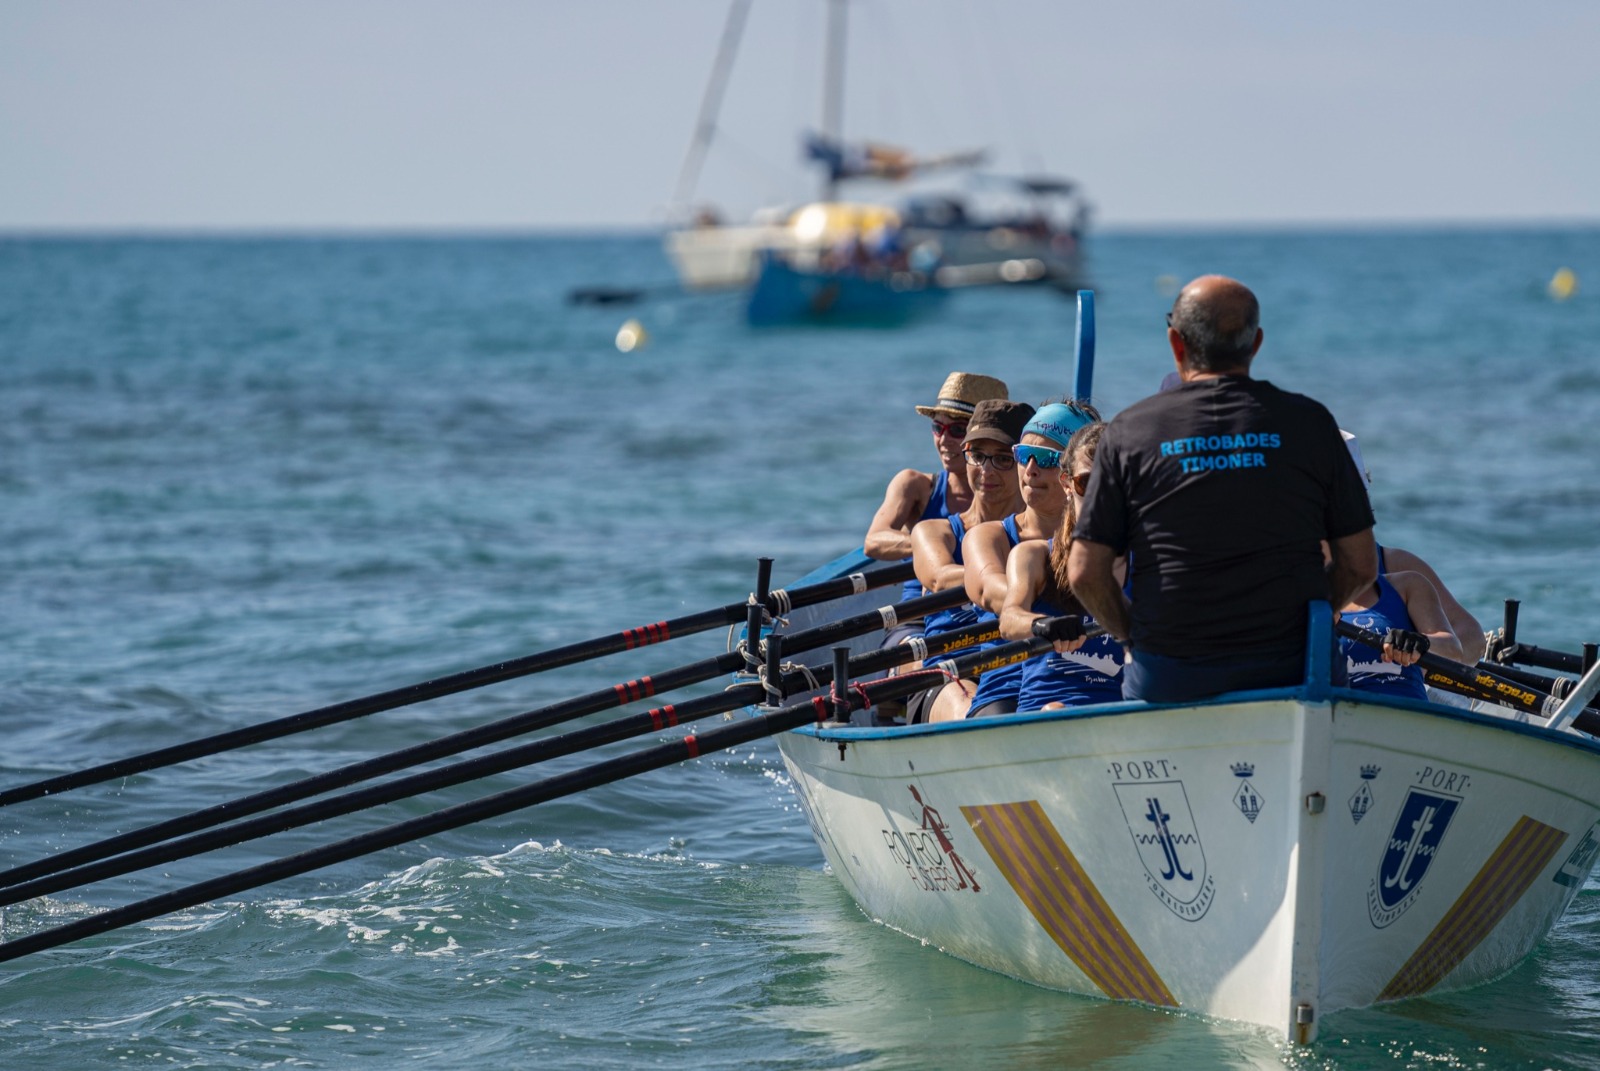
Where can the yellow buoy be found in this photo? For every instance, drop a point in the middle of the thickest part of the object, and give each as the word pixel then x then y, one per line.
pixel 1563 284
pixel 632 336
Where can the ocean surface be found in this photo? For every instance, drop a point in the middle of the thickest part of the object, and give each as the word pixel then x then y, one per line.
pixel 241 478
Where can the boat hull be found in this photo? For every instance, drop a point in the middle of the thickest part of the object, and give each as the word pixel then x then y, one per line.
pixel 1270 858
pixel 784 294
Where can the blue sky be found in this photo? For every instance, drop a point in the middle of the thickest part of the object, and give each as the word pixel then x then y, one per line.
pixel 258 115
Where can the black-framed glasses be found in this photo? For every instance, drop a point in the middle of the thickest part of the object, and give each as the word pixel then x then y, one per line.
pixel 998 462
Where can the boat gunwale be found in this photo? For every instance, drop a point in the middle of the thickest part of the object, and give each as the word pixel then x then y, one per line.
pixel 836 732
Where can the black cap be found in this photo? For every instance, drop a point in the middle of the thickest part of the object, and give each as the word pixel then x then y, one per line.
pixel 1001 421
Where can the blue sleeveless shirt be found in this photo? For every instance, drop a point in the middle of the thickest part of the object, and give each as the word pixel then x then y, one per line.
pixel 938 506
pixel 1368 671
pixel 1091 674
pixel 1005 682
pixel 959 616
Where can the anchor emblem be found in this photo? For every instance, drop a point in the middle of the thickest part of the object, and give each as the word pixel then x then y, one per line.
pixel 1162 824
pixel 1409 852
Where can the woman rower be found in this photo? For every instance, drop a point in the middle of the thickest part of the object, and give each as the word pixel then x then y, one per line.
pixel 936 544
pixel 1404 608
pixel 987 546
pixel 1077 672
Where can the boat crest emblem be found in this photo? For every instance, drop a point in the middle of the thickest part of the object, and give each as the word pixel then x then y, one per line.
pixel 1576 869
pixel 1408 854
pixel 1164 832
pixel 1247 799
pixel 1361 801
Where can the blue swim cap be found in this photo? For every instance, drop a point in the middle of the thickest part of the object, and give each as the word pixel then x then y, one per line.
pixel 1057 422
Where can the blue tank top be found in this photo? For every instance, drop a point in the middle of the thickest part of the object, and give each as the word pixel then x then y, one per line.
pixel 1091 674
pixel 1368 671
pixel 1005 682
pixel 938 506
pixel 959 616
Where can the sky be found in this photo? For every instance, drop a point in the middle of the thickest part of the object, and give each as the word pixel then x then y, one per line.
pixel 483 115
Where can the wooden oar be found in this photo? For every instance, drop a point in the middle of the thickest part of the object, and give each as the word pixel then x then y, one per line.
pixel 1478 683
pixel 776 602
pixel 692 746
pixel 468 739
pixel 500 762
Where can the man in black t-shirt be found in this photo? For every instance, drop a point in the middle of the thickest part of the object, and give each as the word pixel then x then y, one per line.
pixel 1221 490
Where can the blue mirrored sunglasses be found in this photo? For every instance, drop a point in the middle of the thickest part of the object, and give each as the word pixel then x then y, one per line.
pixel 1043 456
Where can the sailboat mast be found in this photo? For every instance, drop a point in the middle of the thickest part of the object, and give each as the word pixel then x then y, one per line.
pixel 706 124
pixel 833 88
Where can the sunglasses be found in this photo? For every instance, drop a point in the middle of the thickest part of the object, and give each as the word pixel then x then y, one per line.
pixel 998 462
pixel 1043 456
pixel 951 430
pixel 1079 483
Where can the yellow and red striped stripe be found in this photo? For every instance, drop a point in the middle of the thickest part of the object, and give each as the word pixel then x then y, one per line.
pixel 1493 892
pixel 1049 880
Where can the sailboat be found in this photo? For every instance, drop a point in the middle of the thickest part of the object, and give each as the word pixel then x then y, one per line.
pixel 804 252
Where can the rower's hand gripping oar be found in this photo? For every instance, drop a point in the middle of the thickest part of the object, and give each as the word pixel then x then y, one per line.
pixel 1479 683
pixel 884 617
pixel 777 602
pixel 692 746
pixel 799 679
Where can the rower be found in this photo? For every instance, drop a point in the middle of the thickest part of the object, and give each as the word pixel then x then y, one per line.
pixel 937 543
pixel 994 429
pixel 1078 671
pixel 988 546
pixel 914 496
pixel 1466 627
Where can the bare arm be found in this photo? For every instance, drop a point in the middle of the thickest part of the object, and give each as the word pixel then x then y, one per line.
pixel 933 555
pixel 889 536
pixel 1025 572
pixel 985 550
pixel 1353 566
pixel 1091 572
pixel 1462 623
pixel 1427 617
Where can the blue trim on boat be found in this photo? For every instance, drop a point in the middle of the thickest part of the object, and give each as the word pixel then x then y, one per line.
pixel 853 561
pixel 1335 696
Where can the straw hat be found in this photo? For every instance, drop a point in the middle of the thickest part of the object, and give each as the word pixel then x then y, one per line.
pixel 961 392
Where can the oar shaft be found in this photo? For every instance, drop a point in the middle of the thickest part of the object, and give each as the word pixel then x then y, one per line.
pixel 443 747
pixel 59 877
pixel 1544 658
pixel 614 643
pixel 1475 681
pixel 693 746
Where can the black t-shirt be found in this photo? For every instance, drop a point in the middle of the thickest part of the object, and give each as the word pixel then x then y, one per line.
pixel 1221 490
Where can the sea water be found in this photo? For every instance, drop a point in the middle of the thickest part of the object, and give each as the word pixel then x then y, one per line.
pixel 240 478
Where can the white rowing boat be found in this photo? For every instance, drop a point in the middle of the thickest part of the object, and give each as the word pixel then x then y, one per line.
pixel 1271 857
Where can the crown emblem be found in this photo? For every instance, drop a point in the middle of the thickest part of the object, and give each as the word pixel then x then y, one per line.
pixel 1243 769
pixel 1369 772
